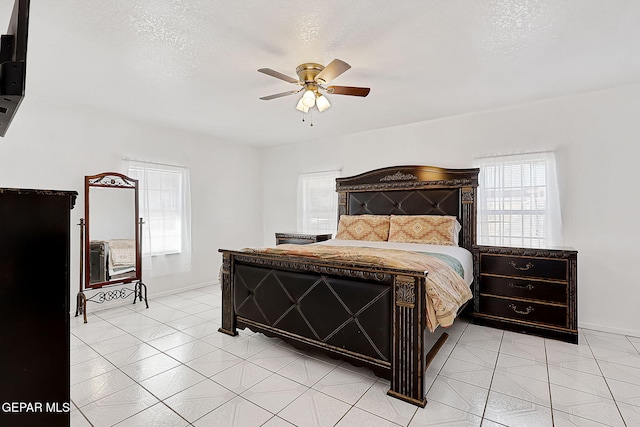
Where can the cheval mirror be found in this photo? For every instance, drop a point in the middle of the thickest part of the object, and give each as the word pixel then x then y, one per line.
pixel 110 240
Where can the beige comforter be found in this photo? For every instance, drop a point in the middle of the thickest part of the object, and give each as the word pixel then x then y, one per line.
pixel 446 290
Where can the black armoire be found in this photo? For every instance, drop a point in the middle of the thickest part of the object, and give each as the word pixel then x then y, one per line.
pixel 34 306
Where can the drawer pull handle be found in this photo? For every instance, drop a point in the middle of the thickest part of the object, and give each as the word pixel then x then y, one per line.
pixel 525 268
pixel 528 286
pixel 514 308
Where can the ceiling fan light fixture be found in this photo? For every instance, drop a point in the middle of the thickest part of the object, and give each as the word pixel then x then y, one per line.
pixel 312 78
pixel 309 98
pixel 322 102
pixel 302 107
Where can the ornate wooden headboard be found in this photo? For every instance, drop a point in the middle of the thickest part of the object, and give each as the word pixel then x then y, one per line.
pixel 413 190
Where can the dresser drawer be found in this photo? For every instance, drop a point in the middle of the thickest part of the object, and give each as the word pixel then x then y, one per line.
pixel 524 288
pixel 293 241
pixel 522 266
pixel 300 238
pixel 524 310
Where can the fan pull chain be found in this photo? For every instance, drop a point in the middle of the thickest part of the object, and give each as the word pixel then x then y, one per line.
pixel 310 114
pixel 311 117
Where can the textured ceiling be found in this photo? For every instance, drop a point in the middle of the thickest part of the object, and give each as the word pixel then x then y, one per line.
pixel 192 63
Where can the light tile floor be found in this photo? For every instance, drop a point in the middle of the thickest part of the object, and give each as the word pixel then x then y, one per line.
pixel 169 366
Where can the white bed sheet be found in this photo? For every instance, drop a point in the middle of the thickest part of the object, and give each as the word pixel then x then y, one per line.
pixel 461 254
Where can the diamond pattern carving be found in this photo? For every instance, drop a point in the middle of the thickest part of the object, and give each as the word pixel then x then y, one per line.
pixel 359 319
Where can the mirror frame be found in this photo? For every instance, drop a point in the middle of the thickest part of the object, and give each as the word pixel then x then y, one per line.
pixel 116 181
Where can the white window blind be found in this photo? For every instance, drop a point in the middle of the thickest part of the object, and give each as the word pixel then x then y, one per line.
pixel 318 202
pixel 518 203
pixel 165 206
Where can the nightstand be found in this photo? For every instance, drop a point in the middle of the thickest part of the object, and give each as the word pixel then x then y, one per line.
pixel 527 290
pixel 300 238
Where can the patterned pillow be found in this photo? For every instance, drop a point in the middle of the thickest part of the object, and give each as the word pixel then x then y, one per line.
pixel 429 229
pixel 363 227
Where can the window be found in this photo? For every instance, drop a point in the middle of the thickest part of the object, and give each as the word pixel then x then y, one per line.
pixel 318 202
pixel 518 203
pixel 165 206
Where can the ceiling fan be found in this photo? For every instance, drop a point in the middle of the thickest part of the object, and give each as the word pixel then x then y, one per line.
pixel 313 78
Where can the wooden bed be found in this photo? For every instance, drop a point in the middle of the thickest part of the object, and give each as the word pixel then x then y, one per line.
pixel 367 315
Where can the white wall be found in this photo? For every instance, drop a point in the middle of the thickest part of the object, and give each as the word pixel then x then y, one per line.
pixel 53 146
pixel 596 139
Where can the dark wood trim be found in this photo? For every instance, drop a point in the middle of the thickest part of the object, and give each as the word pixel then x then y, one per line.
pixel 515 326
pixel 408 177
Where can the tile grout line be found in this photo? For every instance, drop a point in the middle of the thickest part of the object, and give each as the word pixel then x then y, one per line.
pixel 546 360
pixel 484 410
pixel 82 413
pixel 615 401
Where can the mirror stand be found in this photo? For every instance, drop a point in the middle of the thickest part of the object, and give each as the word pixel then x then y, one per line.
pixel 110 241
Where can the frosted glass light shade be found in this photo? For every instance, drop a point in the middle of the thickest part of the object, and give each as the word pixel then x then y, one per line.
pixel 322 102
pixel 301 107
pixel 309 98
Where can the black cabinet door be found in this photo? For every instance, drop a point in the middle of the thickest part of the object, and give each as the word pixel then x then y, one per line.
pixel 34 307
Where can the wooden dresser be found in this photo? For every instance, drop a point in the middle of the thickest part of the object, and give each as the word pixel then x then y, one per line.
pixel 527 290
pixel 34 305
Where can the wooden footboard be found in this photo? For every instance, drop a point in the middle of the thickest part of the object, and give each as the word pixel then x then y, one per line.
pixel 373 317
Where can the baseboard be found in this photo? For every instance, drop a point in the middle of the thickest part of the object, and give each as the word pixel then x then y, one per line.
pixel 602 328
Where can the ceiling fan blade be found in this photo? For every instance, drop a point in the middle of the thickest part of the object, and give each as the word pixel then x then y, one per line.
pixel 348 90
pixel 279 95
pixel 277 75
pixel 331 71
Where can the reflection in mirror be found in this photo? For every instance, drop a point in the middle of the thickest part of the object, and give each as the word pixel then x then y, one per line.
pixel 112 231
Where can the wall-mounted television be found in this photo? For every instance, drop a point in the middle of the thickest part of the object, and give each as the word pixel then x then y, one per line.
pixel 13 63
